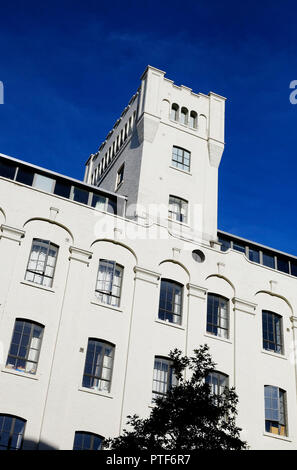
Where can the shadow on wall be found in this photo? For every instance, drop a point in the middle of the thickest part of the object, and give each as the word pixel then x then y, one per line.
pixel 33 445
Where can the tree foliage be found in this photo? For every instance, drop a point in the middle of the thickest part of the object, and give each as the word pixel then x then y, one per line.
pixel 189 417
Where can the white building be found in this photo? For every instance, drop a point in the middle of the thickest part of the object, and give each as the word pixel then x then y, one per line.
pixel 101 279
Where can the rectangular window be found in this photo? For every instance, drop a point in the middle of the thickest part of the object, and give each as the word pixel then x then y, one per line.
pixel 268 260
pixel 42 262
pixel 217 316
pixel 7 169
pixel 254 255
pixel 44 183
pixel 272 332
pixel 275 410
pixel 109 282
pixel 62 188
pixel 283 264
pixel 170 304
pixel 80 195
pixel 239 247
pixel 178 209
pixel 294 268
pixel 25 347
pixel 25 175
pixel 120 176
pixel 225 244
pixel 181 158
pixel 98 365
pixel 164 377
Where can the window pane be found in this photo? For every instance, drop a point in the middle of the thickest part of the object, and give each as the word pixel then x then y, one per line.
pixel 80 195
pixel 239 247
pixel 283 264
pixel 43 182
pixel 254 255
pixel 7 169
pixel 62 188
pixel 25 175
pixel 268 260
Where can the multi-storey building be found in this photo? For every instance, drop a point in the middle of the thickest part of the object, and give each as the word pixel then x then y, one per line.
pixel 101 279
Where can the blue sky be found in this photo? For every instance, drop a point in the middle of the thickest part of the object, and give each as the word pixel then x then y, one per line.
pixel 59 59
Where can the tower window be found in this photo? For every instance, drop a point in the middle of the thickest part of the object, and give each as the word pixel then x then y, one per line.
pixel 184 116
pixel 120 176
pixel 181 158
pixel 193 120
pixel 178 209
pixel 174 112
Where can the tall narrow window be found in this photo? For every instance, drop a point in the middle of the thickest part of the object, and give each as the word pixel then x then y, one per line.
pixel 217 316
pixel 275 410
pixel 25 346
pixel 42 262
pixel 12 431
pixel 184 116
pixel 120 176
pixel 174 112
pixel 164 377
pixel 272 332
pixel 109 282
pixel 181 158
pixel 178 209
pixel 87 441
pixel 217 382
pixel 170 304
pixel 98 365
pixel 193 119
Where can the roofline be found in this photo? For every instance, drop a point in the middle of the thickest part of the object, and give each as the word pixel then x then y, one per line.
pixel 54 173
pixel 257 244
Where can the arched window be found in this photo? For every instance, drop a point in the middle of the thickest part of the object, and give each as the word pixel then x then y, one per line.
pixel 12 430
pixel 42 262
pixel 217 382
pixel 163 378
pixel 174 112
pixel 87 441
pixel 217 315
pixel 98 365
pixel 25 346
pixel 171 301
pixel 193 119
pixel 181 158
pixel 184 116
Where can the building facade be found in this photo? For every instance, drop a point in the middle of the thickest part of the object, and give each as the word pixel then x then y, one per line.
pixel 100 279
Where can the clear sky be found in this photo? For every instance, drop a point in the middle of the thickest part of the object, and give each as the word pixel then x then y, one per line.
pixel 70 67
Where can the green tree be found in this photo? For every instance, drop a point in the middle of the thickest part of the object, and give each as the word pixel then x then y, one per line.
pixel 189 417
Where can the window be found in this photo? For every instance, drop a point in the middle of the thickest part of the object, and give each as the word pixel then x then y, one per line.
pixel 268 260
pixel 7 169
pixel 174 112
pixel 103 203
pixel 42 262
pixel 239 247
pixel 163 378
pixel 181 158
pixel 254 255
pixel 184 116
pixel 87 441
pixel 283 264
pixel 109 282
pixel 98 365
pixel 217 316
pixel 43 182
pixel 120 176
pixel 275 410
pixel 178 209
pixel 11 432
pixel 80 195
pixel 170 304
pixel 193 119
pixel 25 346
pixel 217 382
pixel 272 332
pixel 225 244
